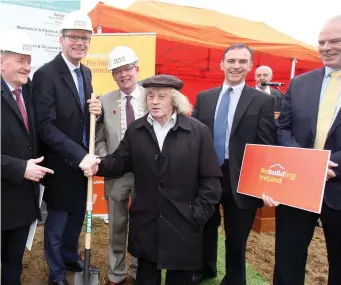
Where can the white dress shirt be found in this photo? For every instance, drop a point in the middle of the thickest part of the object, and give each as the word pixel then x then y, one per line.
pixel 161 131
pixel 11 88
pixel 72 68
pixel 135 102
pixel 235 96
pixel 267 89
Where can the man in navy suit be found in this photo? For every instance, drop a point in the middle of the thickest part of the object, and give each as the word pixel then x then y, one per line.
pixel 311 118
pixel 62 88
pixel 236 114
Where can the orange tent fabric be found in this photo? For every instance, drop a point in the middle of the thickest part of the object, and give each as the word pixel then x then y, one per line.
pixel 192 49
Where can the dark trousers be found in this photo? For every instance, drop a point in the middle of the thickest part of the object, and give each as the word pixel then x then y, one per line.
pixel 294 231
pixel 237 223
pixel 61 234
pixel 149 274
pixel 13 244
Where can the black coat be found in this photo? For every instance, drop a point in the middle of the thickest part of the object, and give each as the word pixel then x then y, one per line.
pixel 60 122
pixel 19 196
pixel 278 98
pixel 176 190
pixel 253 123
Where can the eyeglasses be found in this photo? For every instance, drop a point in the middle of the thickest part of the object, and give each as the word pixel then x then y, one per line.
pixel 75 39
pixel 127 68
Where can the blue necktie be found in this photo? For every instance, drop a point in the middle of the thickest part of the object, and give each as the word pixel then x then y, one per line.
pixel 220 126
pixel 82 100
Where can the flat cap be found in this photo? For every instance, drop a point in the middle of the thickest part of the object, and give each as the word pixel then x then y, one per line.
pixel 163 80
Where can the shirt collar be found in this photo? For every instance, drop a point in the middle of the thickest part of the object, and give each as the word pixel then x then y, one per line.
pixel 69 64
pixel 135 94
pixel 171 120
pixel 236 88
pixel 11 88
pixel 328 70
pixel 266 90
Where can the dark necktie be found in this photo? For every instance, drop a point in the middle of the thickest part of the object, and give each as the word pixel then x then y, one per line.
pixel 82 99
pixel 17 93
pixel 220 126
pixel 130 116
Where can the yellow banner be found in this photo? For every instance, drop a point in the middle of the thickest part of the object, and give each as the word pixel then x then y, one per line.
pixel 143 44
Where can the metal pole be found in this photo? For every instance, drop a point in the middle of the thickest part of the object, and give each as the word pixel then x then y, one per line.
pixel 293 67
pixel 99 30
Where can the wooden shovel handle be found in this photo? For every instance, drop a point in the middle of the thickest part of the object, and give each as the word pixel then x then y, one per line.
pixel 90 180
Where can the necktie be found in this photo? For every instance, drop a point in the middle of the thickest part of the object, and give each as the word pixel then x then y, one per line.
pixel 22 110
pixel 81 94
pixel 220 126
pixel 130 116
pixel 327 109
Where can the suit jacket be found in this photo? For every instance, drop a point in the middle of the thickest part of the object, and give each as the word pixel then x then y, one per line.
pixel 278 98
pixel 61 120
pixel 19 196
pixel 297 126
pixel 108 131
pixel 253 123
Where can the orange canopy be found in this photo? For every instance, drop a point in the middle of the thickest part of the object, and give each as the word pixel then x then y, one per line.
pixel 190 41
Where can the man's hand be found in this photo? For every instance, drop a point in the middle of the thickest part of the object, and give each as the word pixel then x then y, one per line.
pixel 268 201
pixel 89 164
pixel 95 107
pixel 330 172
pixel 35 172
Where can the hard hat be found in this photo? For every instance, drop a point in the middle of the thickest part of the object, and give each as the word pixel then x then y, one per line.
pixel 15 41
pixel 76 20
pixel 121 55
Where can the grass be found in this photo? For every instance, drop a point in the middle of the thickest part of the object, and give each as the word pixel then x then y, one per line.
pixel 252 275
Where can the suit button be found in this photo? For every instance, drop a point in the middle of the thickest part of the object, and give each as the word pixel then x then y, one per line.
pixel 155 157
pixel 29 147
pixel 159 187
pixel 160 215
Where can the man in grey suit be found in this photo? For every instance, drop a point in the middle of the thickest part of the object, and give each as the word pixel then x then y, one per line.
pixel 120 108
pixel 264 74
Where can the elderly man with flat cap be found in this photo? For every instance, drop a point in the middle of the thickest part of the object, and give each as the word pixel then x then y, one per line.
pixel 177 183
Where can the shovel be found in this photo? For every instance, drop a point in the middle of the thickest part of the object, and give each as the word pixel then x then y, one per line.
pixel 89 277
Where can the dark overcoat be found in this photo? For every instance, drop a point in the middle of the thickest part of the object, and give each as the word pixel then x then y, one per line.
pixel 60 122
pixel 176 190
pixel 19 196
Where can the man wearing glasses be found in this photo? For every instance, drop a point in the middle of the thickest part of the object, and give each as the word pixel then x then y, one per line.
pixel 120 108
pixel 62 91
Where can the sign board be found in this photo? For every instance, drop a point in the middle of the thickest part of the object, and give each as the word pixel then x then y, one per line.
pixel 292 176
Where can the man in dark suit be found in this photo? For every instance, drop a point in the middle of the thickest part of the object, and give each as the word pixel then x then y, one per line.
pixel 236 115
pixel 61 89
pixel 20 172
pixel 264 74
pixel 311 118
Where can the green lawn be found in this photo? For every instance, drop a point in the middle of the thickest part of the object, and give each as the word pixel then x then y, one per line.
pixel 253 277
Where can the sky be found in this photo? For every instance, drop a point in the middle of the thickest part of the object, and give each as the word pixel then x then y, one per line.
pixel 300 19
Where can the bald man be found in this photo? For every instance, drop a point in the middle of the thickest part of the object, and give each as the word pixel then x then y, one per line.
pixel 264 74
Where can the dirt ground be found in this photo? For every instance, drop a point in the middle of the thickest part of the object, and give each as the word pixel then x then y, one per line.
pixel 260 254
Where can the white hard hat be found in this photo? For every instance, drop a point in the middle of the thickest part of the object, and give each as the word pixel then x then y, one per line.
pixel 121 55
pixel 76 20
pixel 15 41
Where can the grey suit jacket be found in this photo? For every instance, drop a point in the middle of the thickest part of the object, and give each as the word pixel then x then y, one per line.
pixel 108 130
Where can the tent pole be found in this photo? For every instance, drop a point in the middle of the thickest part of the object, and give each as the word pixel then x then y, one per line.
pixel 293 67
pixel 99 30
